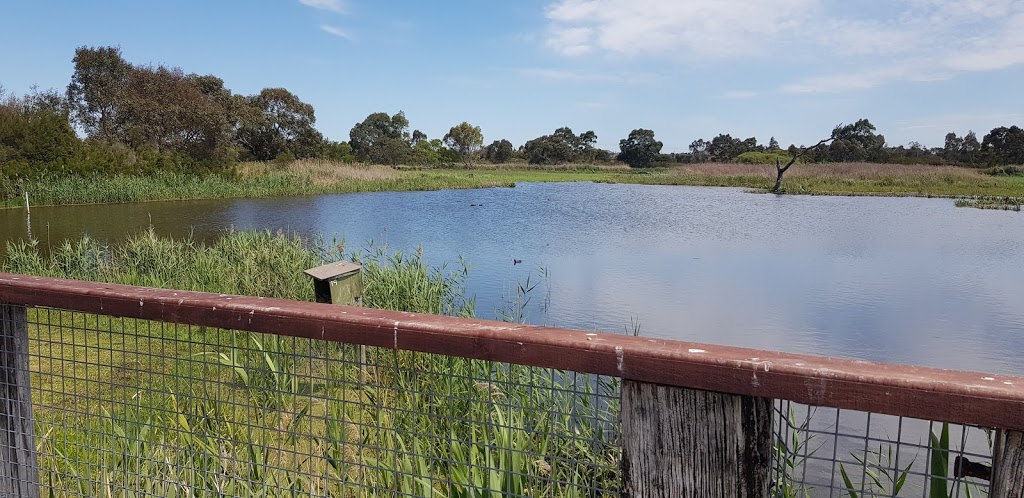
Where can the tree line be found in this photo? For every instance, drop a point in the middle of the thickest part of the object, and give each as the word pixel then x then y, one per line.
pixel 120 118
pixel 860 142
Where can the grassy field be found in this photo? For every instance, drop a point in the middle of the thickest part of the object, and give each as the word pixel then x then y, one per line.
pixel 843 179
pixel 126 407
pixel 309 177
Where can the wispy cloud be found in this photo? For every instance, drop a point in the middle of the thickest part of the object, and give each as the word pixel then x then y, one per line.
pixel 337 6
pixel 552 74
pixel 868 78
pixel 339 32
pixel 699 27
pixel 960 122
pixel 856 49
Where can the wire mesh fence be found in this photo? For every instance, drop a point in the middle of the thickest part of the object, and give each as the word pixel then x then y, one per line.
pixel 828 452
pixel 130 407
pixel 127 407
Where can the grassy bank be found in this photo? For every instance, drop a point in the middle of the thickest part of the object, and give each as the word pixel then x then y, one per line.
pixel 195 411
pixel 309 177
pixel 842 179
pixel 252 181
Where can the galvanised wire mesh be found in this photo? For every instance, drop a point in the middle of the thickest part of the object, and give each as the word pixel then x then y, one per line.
pixel 127 407
pixel 828 452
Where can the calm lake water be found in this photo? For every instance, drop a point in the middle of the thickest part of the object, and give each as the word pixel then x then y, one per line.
pixel 904 280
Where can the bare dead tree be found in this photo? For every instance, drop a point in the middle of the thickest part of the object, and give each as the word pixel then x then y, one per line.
pixel 782 169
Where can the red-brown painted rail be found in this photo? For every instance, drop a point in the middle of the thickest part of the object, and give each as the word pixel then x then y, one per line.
pixel 919 392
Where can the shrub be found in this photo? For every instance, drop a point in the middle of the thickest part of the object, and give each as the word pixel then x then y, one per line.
pixel 763 157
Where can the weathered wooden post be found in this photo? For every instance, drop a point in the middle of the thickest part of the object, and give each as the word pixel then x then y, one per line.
pixel 340 283
pixel 19 471
pixel 688 443
pixel 1007 464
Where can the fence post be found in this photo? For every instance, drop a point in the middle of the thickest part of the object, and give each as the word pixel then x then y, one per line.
pixel 19 471
pixel 688 443
pixel 1008 464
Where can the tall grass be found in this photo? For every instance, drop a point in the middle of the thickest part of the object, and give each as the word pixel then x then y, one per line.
pixel 250 181
pixel 190 411
pixel 312 177
pixel 841 179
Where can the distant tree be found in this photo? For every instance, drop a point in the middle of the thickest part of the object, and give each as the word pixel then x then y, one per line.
pixel 565 146
pixel 548 149
pixel 94 94
pixel 971 148
pixel 278 122
pixel 465 139
pixel 566 135
pixel 500 151
pixel 338 151
pixel 952 149
pixel 428 152
pixel 639 149
pixel 35 135
pixel 382 139
pixel 855 142
pixel 699 150
pixel 586 140
pixel 773 145
pixel 586 148
pixel 724 147
pixel 860 135
pixel 1004 145
pixel 418 136
pixel 182 118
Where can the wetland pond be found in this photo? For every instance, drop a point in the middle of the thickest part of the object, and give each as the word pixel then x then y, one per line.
pixel 906 280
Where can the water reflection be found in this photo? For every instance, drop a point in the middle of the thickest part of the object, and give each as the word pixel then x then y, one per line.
pixel 890 279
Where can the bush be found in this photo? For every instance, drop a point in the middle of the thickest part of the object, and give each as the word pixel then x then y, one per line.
pixel 1004 171
pixel 763 157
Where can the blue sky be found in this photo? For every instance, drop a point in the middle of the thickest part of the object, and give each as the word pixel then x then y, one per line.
pixel 687 69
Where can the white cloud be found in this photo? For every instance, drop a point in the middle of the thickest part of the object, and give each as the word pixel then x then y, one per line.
pixel 995 51
pixel 337 6
pixel 853 47
pixel 867 78
pixel 700 27
pixel 339 32
pixel 571 41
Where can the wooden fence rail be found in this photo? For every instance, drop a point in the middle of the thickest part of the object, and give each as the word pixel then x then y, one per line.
pixel 696 418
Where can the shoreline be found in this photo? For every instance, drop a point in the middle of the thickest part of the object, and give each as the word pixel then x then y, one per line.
pixel 320 177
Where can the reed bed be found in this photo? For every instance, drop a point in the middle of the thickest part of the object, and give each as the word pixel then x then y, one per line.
pixel 856 171
pixel 252 181
pixel 321 171
pixel 313 177
pixel 614 167
pixel 841 179
pixel 173 425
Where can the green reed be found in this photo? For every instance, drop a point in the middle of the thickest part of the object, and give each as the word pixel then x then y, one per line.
pixel 269 421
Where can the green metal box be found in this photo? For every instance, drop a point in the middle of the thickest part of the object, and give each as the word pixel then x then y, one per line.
pixel 340 282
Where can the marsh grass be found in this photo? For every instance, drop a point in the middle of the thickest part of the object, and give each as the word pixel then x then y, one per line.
pixel 841 179
pixel 320 171
pixel 252 180
pixel 313 177
pixel 127 407
pixel 998 203
pixel 563 167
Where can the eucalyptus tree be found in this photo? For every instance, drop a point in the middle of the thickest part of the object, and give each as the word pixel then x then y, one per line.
pixel 465 139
